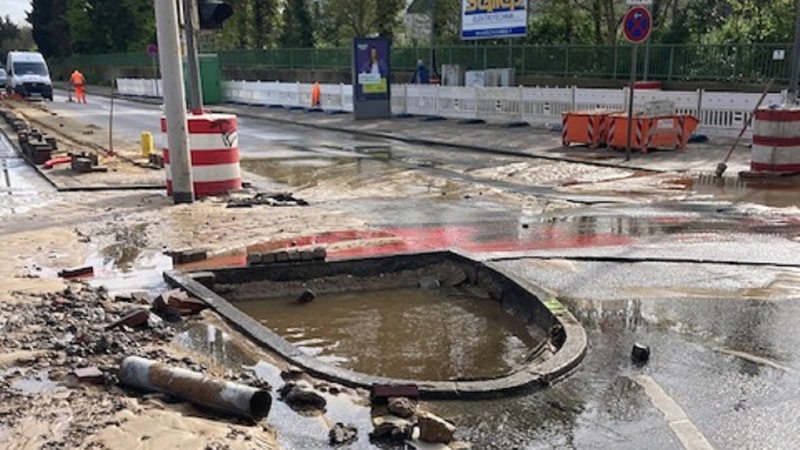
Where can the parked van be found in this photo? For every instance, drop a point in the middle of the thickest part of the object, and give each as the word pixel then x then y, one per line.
pixel 28 75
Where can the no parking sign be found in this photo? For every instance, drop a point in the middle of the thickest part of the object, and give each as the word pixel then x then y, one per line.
pixel 637 24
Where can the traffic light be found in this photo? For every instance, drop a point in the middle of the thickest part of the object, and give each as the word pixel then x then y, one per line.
pixel 212 13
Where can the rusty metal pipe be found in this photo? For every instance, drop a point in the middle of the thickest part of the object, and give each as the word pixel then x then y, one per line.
pixel 224 396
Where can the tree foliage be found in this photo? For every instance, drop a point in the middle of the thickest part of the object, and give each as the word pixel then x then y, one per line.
pixel 63 27
pixel 50 28
pixel 9 33
pixel 297 30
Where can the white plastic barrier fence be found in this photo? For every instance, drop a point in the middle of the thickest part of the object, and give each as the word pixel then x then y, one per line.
pixel 720 113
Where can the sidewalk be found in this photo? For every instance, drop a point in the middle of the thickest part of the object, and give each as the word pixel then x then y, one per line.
pixel 537 142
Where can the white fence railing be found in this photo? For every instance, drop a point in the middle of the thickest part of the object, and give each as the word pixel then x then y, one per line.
pixel 720 113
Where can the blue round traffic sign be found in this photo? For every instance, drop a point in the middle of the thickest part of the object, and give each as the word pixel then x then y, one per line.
pixel 637 24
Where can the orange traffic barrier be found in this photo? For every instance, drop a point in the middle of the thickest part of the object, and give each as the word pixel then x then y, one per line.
pixel 670 132
pixel 585 127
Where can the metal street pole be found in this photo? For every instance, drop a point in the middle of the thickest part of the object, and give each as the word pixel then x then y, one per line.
pixel 169 54
pixel 631 89
pixel 646 70
pixel 793 80
pixel 433 38
pixel 192 61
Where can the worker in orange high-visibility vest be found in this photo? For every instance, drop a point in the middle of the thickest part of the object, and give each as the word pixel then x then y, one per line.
pixel 78 81
pixel 316 93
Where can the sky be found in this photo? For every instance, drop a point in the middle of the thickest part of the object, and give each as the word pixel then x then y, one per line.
pixel 15 9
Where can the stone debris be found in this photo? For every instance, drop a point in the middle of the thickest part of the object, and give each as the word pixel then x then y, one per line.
pixel 342 434
pixel 435 429
pixel 287 255
pixel 302 399
pixel 265 199
pixel 640 354
pixel 306 297
pixel 132 319
pixel 186 256
pixel 399 420
pixel 429 283
pixel 76 272
pixel 90 375
pixel 391 429
pixel 402 407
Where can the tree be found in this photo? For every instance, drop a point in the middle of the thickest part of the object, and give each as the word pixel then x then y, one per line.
pixel 297 30
pixel 387 17
pixel 264 14
pixel 9 32
pixel 109 17
pixel 50 29
pixel 354 18
pixel 326 32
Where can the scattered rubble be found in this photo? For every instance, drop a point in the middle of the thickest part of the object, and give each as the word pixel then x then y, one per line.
pixel 265 199
pixel 302 399
pixel 435 429
pixel 342 434
pixel 86 271
pixel 73 337
pixel 402 407
pixel 306 297
pixel 397 419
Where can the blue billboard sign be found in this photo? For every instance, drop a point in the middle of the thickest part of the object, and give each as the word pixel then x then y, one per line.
pixel 491 19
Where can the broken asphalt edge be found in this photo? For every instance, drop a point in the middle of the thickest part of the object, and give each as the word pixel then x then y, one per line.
pixel 527 378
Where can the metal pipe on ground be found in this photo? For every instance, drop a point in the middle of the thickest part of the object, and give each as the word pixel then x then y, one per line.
pixel 223 396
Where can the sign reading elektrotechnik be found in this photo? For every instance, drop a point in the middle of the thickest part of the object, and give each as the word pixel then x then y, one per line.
pixel 489 19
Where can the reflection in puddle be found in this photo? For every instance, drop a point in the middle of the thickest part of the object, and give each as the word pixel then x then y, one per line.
pixel 406 333
pixel 777 192
pixel 35 383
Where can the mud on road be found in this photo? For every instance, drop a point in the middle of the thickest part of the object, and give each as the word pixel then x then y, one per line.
pixel 51 327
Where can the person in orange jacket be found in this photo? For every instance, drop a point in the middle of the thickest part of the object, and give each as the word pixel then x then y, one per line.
pixel 316 94
pixel 78 81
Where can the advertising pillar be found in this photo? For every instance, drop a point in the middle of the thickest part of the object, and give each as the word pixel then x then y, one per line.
pixel 371 78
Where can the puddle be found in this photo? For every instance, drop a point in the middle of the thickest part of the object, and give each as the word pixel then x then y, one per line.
pixel 405 333
pixel 776 192
pixel 35 383
pixel 296 431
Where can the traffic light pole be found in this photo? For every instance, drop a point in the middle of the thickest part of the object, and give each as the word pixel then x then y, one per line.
pixel 192 61
pixel 169 54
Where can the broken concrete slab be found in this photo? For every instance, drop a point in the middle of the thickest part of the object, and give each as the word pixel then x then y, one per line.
pixel 381 393
pixel 402 407
pixel 188 255
pixel 76 272
pixel 91 375
pixel 435 429
pixel 132 319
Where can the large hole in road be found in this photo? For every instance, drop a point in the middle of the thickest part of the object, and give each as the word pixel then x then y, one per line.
pixel 456 327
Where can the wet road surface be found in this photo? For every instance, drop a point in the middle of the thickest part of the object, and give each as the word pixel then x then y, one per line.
pixel 709 278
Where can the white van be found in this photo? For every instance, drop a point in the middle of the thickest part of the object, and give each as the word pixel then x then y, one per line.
pixel 28 75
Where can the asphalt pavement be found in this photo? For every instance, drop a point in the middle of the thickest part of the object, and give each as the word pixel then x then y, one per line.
pixel 711 284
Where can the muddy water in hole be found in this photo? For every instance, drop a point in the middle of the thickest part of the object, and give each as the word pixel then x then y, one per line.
pixel 404 333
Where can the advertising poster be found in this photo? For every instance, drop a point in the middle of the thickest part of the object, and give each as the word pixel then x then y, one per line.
pixel 491 19
pixel 371 56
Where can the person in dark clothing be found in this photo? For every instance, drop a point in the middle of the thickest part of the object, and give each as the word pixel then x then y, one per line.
pixel 421 75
